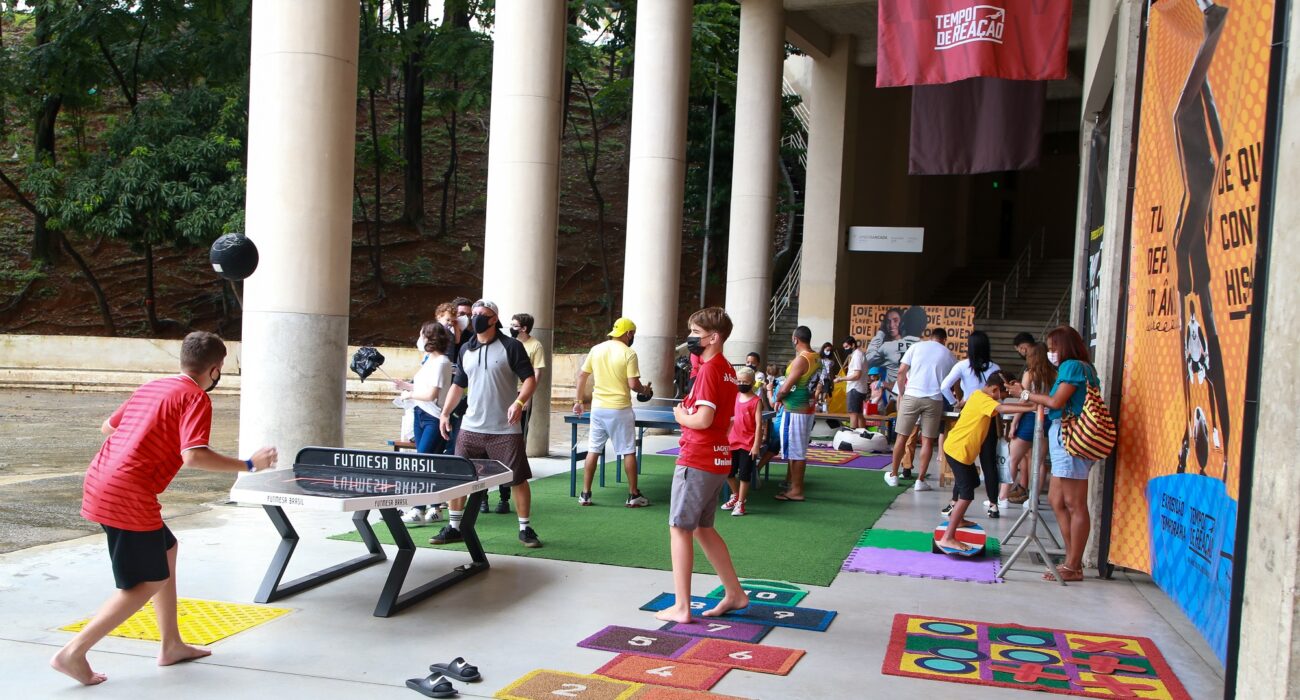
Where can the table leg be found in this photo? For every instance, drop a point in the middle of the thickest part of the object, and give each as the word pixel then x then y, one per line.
pixel 573 460
pixel 392 599
pixel 271 588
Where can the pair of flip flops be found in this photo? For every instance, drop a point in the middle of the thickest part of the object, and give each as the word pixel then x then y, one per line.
pixel 437 685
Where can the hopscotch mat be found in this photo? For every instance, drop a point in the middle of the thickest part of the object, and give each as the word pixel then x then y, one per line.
pixel 201 621
pixel 1009 655
pixel 545 684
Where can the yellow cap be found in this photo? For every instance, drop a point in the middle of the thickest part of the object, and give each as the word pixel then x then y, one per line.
pixel 622 326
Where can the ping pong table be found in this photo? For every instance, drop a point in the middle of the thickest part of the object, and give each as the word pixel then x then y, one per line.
pixel 356 482
pixel 658 417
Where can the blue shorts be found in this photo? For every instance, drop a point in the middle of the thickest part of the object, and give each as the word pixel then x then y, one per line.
pixel 1064 464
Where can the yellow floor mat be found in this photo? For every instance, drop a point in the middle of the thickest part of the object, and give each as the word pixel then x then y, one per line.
pixel 201 621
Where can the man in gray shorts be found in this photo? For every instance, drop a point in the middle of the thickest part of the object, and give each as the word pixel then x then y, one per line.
pixel 614 366
pixel 920 380
pixel 496 370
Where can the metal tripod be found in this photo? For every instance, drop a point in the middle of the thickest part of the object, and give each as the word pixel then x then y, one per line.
pixel 1031 515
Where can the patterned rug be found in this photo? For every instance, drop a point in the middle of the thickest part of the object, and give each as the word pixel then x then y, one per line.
pixel 1011 655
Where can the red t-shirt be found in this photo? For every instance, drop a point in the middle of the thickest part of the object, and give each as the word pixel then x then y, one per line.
pixel 161 420
pixel 709 449
pixel 744 423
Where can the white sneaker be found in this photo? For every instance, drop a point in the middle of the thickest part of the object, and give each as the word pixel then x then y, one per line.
pixel 1003 504
pixel 637 501
pixel 739 509
pixel 891 479
pixel 414 516
pixel 731 502
pixel 922 486
pixel 584 498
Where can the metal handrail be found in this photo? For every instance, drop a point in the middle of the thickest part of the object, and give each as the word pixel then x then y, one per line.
pixel 1055 320
pixel 804 117
pixel 984 297
pixel 786 292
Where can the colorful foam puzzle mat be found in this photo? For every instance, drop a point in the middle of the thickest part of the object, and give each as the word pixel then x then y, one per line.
pixel 201 622
pixel 825 457
pixel 661 646
pixel 763 595
pixel 757 613
pixel 915 541
pixel 719 629
pixel 676 674
pixel 903 562
pixel 1011 655
pixel 545 684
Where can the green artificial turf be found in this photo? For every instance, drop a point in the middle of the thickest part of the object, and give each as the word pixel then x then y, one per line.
pixel 797 542
pixel 913 541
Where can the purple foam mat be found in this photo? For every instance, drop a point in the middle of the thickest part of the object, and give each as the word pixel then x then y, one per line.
pixel 876 462
pixel 898 562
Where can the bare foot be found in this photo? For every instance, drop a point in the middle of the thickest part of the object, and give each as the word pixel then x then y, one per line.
pixel 950 543
pixel 728 603
pixel 180 654
pixel 677 613
pixel 76 668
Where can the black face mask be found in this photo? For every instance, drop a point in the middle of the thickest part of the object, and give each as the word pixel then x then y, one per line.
pixel 214 383
pixel 630 338
pixel 514 332
pixel 482 323
pixel 693 345
pixel 745 388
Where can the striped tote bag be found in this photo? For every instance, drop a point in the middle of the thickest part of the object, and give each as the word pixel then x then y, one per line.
pixel 1091 434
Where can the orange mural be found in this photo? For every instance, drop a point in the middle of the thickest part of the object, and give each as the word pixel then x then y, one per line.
pixel 1195 216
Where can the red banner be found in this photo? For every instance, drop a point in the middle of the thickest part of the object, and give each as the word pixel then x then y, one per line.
pixel 933 42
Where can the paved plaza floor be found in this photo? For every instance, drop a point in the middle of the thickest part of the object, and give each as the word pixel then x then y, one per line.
pixel 521 615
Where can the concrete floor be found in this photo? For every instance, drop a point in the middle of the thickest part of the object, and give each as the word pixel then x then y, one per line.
pixel 522 615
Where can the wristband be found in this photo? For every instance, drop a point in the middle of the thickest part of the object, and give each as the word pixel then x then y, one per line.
pixel 521 403
pixel 249 462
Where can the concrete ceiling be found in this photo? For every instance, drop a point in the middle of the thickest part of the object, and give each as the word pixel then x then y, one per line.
pixel 817 22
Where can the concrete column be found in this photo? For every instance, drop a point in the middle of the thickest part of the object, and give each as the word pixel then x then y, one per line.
pixel 829 181
pixel 302 121
pixel 523 177
pixel 656 185
pixel 1112 291
pixel 754 172
pixel 1268 662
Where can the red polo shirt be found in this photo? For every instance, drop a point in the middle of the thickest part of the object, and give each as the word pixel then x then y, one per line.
pixel 161 420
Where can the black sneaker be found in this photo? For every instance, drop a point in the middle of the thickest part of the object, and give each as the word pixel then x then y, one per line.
pixel 446 535
pixel 483 507
pixel 907 473
pixel 947 509
pixel 529 538
pixel 503 507
pixel 993 512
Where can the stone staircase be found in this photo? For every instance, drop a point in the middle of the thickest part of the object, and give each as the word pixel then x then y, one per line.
pixel 1029 311
pixel 779 348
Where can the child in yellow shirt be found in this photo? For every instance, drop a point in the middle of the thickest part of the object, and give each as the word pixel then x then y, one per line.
pixel 963 446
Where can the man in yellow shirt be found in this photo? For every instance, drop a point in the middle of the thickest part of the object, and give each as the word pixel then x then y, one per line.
pixel 963 446
pixel 614 366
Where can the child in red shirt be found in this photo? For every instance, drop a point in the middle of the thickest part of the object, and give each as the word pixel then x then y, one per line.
pixel 702 468
pixel 163 426
pixel 746 437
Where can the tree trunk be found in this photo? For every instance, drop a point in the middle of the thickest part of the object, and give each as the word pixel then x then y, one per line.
pixel 45 242
pixel 592 169
pixel 100 298
pixel 413 117
pixel 453 158
pixel 150 310
pixel 376 263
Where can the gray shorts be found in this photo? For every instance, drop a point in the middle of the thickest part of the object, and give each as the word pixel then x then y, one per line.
pixel 927 412
pixel 694 499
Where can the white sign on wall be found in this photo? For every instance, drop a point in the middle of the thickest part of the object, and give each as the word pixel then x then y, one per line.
pixel 885 239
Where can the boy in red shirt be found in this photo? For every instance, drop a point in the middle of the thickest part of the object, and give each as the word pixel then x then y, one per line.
pixel 164 425
pixel 746 438
pixel 702 468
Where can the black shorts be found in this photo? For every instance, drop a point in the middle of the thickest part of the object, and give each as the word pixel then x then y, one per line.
pixel 742 465
pixel 855 401
pixel 967 478
pixel 139 556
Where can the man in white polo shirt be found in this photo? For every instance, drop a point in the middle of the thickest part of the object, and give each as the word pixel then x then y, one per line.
pixel 617 372
pixel 920 406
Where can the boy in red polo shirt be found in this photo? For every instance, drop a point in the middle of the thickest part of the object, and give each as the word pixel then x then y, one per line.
pixel 164 425
pixel 702 468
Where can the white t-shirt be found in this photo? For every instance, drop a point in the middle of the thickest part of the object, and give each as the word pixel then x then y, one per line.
pixel 970 381
pixel 928 362
pixel 858 363
pixel 435 373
